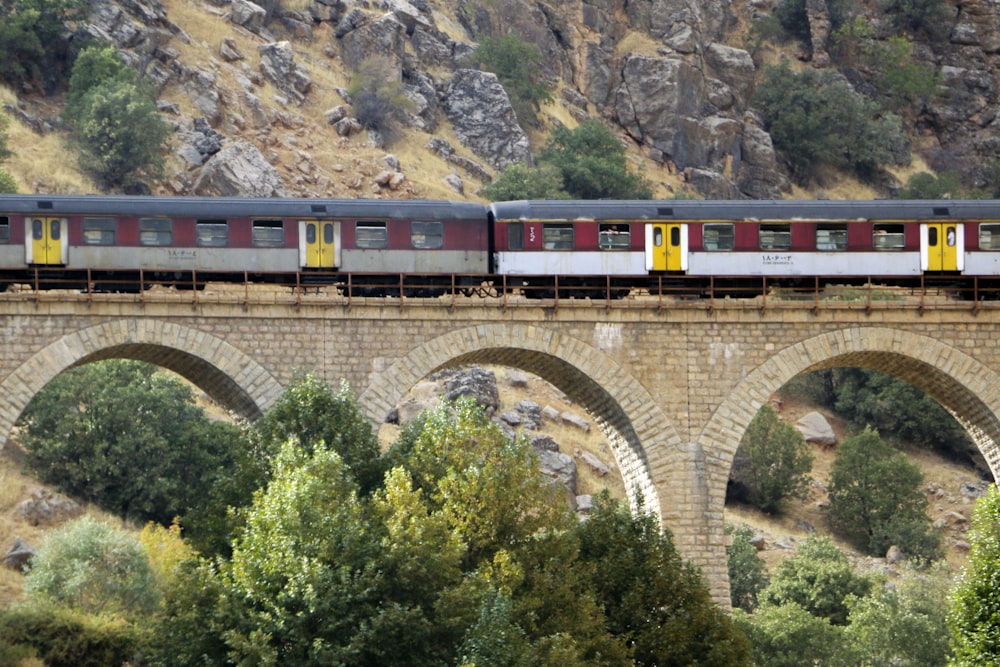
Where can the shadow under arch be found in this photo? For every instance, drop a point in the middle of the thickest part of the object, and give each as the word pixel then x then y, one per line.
pixel 223 372
pixel 647 450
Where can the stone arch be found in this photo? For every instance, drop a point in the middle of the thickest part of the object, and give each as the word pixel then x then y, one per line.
pixel 964 386
pixel 222 371
pixel 646 447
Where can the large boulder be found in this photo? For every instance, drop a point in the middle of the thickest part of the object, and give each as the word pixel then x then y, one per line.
pixel 277 63
pixel 816 429
pixel 238 170
pixel 484 120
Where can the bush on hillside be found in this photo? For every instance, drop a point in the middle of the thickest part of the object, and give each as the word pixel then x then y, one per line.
pixel 772 463
pixel 818 578
pixel 876 501
pixel 379 99
pixel 815 119
pixel 593 164
pixel 518 66
pixel 63 637
pixel 29 32
pixel 747 574
pixel 787 635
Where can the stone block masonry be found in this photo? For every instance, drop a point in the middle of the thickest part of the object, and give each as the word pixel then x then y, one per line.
pixel 673 390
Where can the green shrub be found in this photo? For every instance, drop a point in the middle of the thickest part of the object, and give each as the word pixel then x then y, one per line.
pixel 789 636
pixel 898 75
pixel 28 32
pixel 772 463
pixel 91 567
pixel 747 575
pixel 903 624
pixel 818 578
pixel 519 181
pixel 815 120
pixel 923 185
pixel 64 637
pixel 593 164
pixel 7 183
pixel 876 500
pixel 518 66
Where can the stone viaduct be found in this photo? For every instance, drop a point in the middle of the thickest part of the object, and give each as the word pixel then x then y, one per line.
pixel 673 388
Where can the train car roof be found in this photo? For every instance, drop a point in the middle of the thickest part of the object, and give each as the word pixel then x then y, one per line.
pixel 791 210
pixel 241 207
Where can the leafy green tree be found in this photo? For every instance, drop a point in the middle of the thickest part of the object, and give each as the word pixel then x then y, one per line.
pixel 92 567
pixel 7 182
pixel 120 132
pixel 876 501
pixel 127 438
pixel 653 599
pixel 747 574
pixel 96 64
pixel 904 624
pixel 818 578
pixel 928 17
pixel 899 75
pixel 518 65
pixel 61 637
pixel 974 619
pixel 815 119
pixel 379 99
pixel 923 185
pixel 772 463
pixel 29 30
pixel 593 164
pixel 519 181
pixel 787 635
pixel 463 555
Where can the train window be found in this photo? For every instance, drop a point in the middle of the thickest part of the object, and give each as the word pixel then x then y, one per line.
pixel 426 234
pixel 515 236
pixel 371 235
pixel 212 233
pixel 558 236
pixel 775 236
pixel 887 236
pixel 99 231
pixel 156 231
pixel 4 229
pixel 989 236
pixel 614 237
pixel 268 233
pixel 718 236
pixel 831 236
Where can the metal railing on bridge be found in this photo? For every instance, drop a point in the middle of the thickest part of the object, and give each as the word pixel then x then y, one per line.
pixel 456 291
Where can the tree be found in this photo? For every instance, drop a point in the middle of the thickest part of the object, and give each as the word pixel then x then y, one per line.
pixel 518 66
pixel 120 132
pixel 772 463
pixel 656 602
pixel 747 574
pixel 463 555
pixel 876 501
pixel 818 578
pixel 114 116
pixel 974 619
pixel 519 181
pixel 128 438
pixel 787 635
pixel 90 566
pixel 814 119
pixel 29 33
pixel 593 164
pixel 7 182
pixel 903 624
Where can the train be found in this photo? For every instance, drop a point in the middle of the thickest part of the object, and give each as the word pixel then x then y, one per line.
pixel 383 247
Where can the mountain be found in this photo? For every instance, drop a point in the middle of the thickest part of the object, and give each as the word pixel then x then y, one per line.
pixel 257 93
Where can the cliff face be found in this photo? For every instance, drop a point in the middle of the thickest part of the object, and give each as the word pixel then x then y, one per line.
pixel 256 92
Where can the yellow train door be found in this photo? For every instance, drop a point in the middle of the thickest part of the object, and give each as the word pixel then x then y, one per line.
pixel 940 246
pixel 666 247
pixel 46 245
pixel 319 248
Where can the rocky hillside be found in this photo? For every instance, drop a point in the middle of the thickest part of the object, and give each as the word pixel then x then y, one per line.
pixel 256 93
